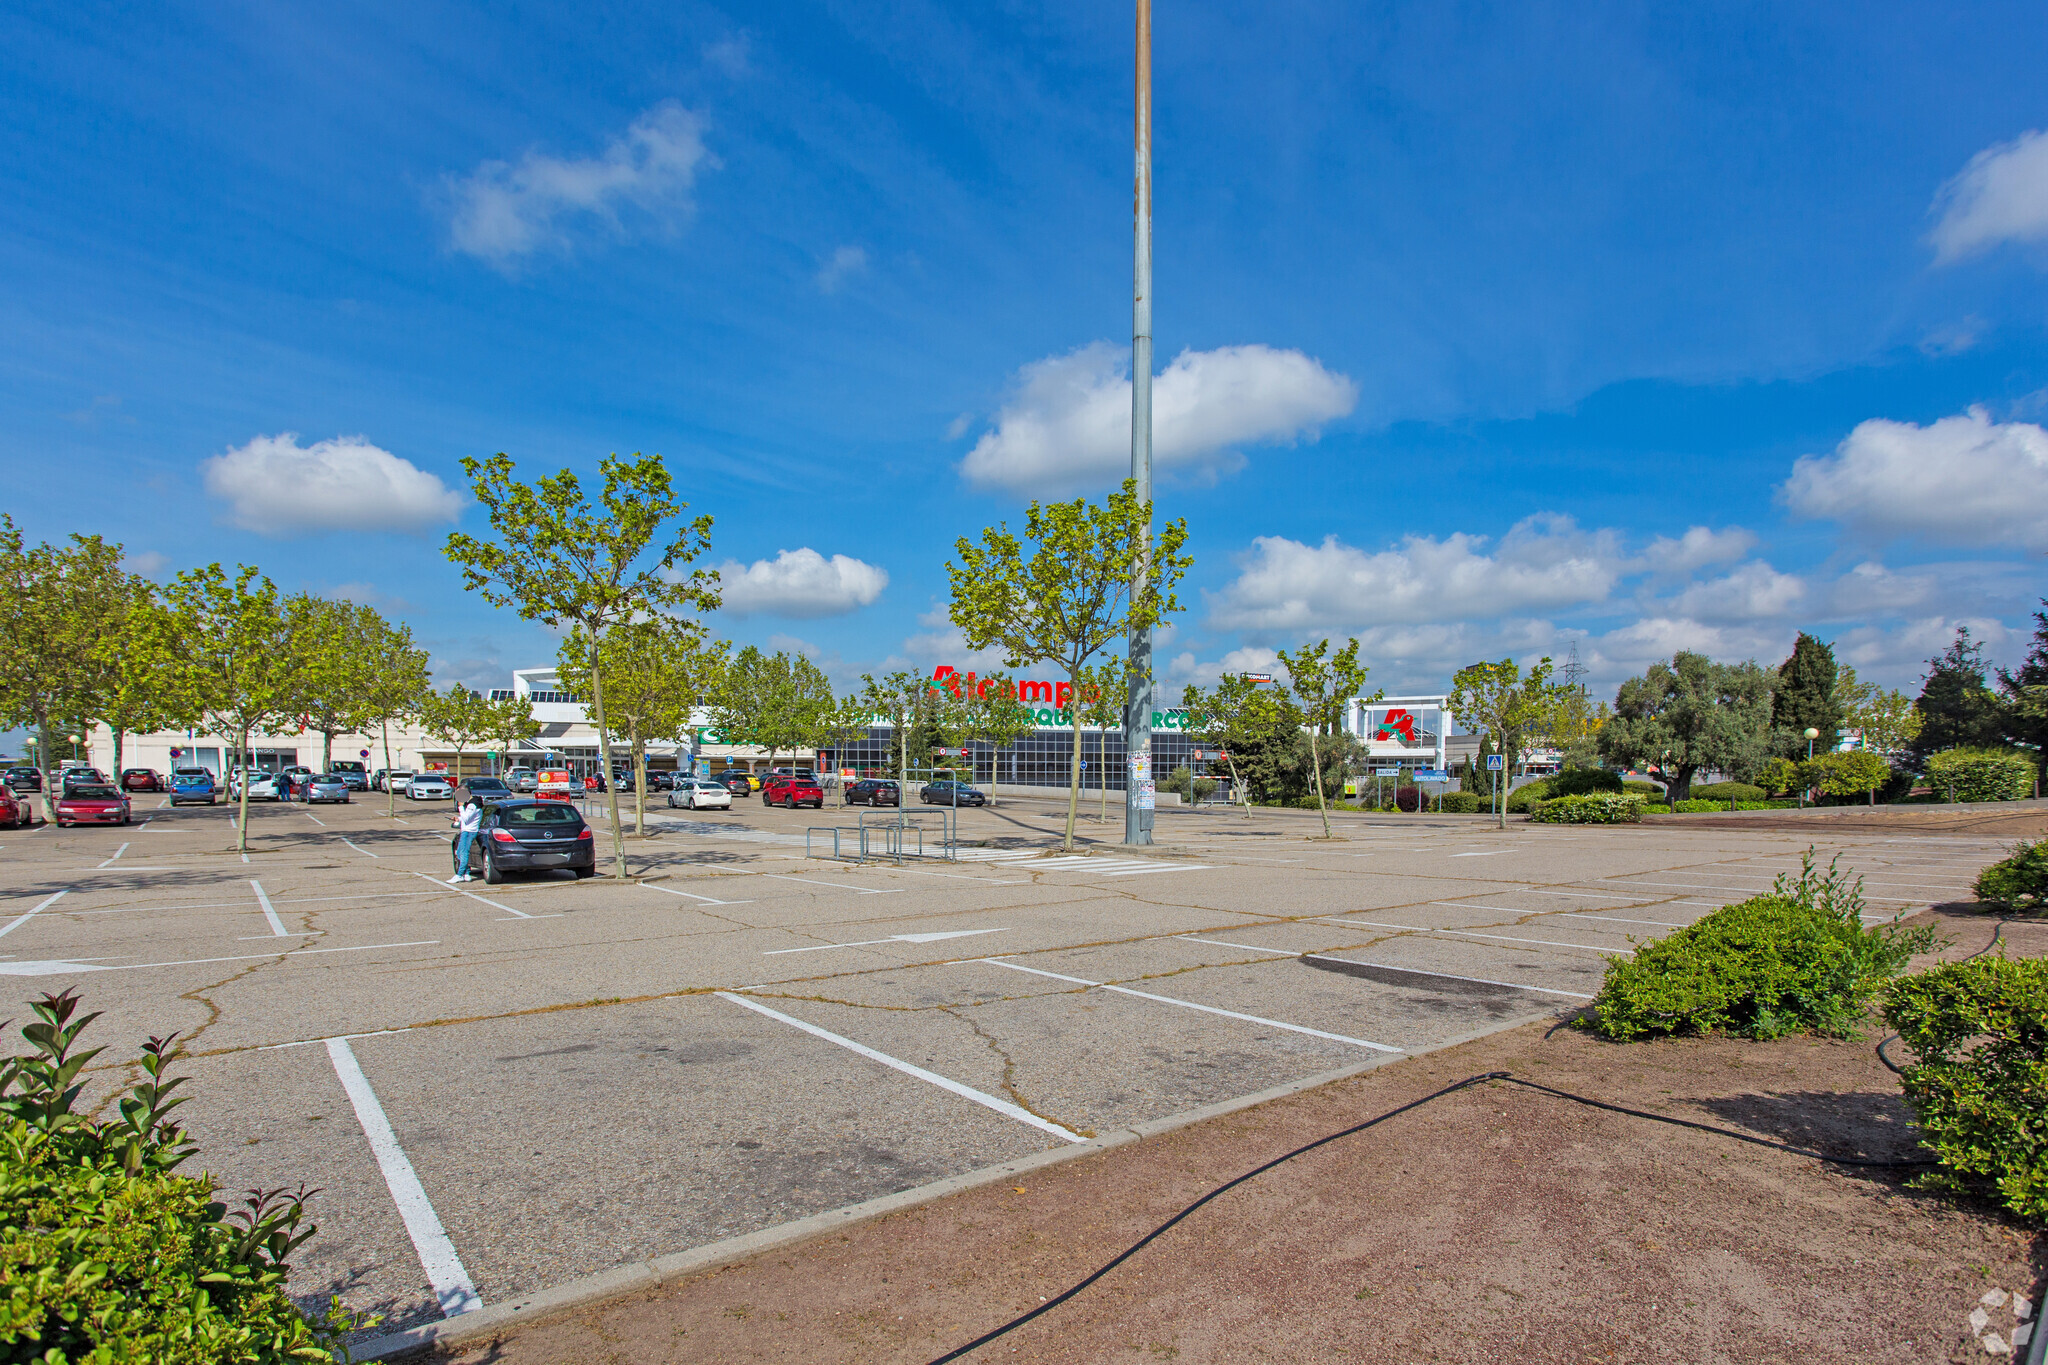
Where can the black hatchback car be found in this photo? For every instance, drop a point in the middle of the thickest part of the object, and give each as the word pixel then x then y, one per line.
pixel 25 779
pixel 532 836
pixel 949 793
pixel 874 791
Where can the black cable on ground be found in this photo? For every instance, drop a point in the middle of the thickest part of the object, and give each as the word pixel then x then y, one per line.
pixel 1997 936
pixel 1470 1081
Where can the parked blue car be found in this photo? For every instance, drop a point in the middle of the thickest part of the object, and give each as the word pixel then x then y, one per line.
pixel 192 784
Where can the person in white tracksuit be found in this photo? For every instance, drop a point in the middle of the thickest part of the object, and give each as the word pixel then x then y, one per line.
pixel 468 821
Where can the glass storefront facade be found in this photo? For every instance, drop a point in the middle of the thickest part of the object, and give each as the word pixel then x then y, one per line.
pixel 1040 759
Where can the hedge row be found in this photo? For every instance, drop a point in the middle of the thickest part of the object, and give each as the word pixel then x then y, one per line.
pixel 1598 808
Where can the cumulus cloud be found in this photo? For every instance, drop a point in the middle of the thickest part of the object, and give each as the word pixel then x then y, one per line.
pixel 1963 480
pixel 1068 426
pixel 1751 592
pixel 276 487
pixel 502 211
pixel 1698 548
pixel 148 563
pixel 845 263
pixel 1542 563
pixel 800 583
pixel 2001 196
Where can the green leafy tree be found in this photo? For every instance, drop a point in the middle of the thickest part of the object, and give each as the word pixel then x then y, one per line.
pixel 655 668
pixel 1509 706
pixel 1890 721
pixel 1323 686
pixel 780 702
pixel 55 603
pixel 1857 772
pixel 894 700
pixel 1071 594
pixel 464 718
pixel 1571 725
pixel 234 645
pixel 843 725
pixel 1692 714
pixel 338 640
pixel 396 688
pixel 991 711
pixel 1807 693
pixel 2025 690
pixel 1103 694
pixel 139 689
pixel 560 561
pixel 511 724
pixel 1957 709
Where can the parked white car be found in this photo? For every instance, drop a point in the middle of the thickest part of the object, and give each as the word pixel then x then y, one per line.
pixel 262 786
pixel 429 787
pixel 697 793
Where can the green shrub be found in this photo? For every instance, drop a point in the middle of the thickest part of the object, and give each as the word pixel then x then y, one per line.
pixel 1709 807
pixel 1523 799
pixel 106 1254
pixel 1980 775
pixel 1580 781
pixel 1778 775
pixel 1724 792
pixel 1796 960
pixel 1649 791
pixel 2018 882
pixel 1854 773
pixel 1980 1088
pixel 1462 803
pixel 1598 808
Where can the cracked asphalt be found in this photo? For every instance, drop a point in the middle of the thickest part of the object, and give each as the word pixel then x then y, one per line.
pixel 573 1076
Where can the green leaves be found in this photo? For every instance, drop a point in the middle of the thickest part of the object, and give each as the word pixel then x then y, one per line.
pixel 2019 881
pixel 1691 714
pixel 1323 686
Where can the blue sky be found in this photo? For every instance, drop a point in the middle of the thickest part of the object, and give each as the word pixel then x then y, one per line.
pixel 1481 329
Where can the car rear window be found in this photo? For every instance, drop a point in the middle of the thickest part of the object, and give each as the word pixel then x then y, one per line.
pixel 93 792
pixel 550 814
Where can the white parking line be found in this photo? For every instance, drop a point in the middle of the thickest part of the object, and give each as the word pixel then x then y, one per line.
pixel 358 847
pixel 1191 1005
pixel 893 938
pixel 493 904
pixel 276 924
pixel 1752 890
pixel 1451 976
pixel 1219 943
pixel 671 891
pixel 1617 919
pixel 1003 1107
pixel 863 890
pixel 1472 933
pixel 117 853
pixel 1161 867
pixel 57 968
pixel 41 906
pixel 314 818
pixel 1490 853
pixel 452 1287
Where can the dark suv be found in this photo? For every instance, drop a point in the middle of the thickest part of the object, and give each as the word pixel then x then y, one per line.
pixel 874 791
pixel 792 791
pixel 532 836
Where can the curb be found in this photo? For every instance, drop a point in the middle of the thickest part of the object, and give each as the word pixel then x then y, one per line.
pixel 638 1276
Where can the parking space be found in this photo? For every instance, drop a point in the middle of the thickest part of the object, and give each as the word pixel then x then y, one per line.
pixel 498 1088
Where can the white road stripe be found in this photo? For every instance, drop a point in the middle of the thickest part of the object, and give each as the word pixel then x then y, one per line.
pixel 1191 1005
pixel 276 924
pixel 1617 919
pixel 117 853
pixel 1492 852
pixel 842 886
pixel 1473 933
pixel 671 891
pixel 444 1269
pixel 54 968
pixel 1159 867
pixel 1003 1107
pixel 1452 976
pixel 314 818
pixel 493 904
pixel 1219 943
pixel 358 847
pixel 41 906
pixel 893 938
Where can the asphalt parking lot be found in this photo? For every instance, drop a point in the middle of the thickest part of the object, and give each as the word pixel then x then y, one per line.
pixel 500 1088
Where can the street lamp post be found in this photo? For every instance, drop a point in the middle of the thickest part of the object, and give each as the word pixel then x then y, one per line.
pixel 1138 698
pixel 74 746
pixel 1811 735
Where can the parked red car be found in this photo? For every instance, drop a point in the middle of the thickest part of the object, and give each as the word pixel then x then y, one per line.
pixel 91 804
pixel 15 810
pixel 792 791
pixel 141 780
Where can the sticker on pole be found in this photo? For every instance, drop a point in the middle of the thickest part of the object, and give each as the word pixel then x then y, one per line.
pixel 1496 763
pixel 1148 796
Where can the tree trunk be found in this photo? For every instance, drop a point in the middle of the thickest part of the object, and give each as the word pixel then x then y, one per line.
pixel 327 751
pixel 604 768
pixel 1238 782
pixel 390 796
pixel 242 824
pixel 1315 763
pixel 1102 757
pixel 639 780
pixel 115 771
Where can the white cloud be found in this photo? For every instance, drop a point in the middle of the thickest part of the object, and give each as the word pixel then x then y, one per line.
pixel 730 55
pixel 800 583
pixel 1753 591
pixel 1899 651
pixel 369 595
pixel 957 428
pixel 1871 588
pixel 148 563
pixel 1697 548
pixel 1964 479
pixel 2001 196
pixel 1069 424
pixel 501 212
pixel 1292 588
pixel 846 262
pixel 276 487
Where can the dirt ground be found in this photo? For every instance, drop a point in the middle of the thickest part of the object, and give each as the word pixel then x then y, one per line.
pixel 1495 1224
pixel 1989 820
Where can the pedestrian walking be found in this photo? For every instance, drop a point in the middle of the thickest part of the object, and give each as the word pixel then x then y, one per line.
pixel 468 820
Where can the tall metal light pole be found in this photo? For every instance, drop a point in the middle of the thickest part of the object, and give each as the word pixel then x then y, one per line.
pixel 1138 798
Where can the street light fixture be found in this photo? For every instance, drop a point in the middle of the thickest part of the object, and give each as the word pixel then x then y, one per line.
pixel 1811 735
pixel 74 746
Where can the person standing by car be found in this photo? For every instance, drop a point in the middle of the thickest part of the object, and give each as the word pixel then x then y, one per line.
pixel 468 820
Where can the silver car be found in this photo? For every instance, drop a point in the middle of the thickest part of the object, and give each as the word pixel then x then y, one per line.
pixel 329 788
pixel 429 787
pixel 522 779
pixel 696 793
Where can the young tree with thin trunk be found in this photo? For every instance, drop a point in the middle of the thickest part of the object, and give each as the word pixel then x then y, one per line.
pixel 895 699
pixel 1104 692
pixel 464 718
pixel 511 724
pixel 340 645
pixel 655 670
pixel 397 688
pixel 987 709
pixel 778 702
pixel 139 688
pixel 1509 706
pixel 1236 714
pixel 556 559
pixel 1323 686
pixel 232 641
pixel 1071 595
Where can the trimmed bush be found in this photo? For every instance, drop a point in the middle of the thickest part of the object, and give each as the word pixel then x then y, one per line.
pixel 1778 775
pixel 107 1255
pixel 1597 808
pixel 1462 803
pixel 1523 799
pixel 2019 881
pixel 1709 807
pixel 1581 781
pixel 1649 791
pixel 1980 1088
pixel 1724 792
pixel 1796 960
pixel 1408 799
pixel 1852 774
pixel 1980 775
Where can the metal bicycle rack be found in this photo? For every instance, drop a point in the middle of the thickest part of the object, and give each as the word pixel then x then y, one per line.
pixel 898 835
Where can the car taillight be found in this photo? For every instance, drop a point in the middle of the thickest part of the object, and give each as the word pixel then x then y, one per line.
pixel 585 834
pixel 504 836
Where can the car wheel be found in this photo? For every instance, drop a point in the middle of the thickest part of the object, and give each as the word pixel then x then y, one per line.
pixel 492 876
pixel 582 872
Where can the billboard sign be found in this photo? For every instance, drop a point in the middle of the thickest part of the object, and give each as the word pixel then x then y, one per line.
pixel 1402 728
